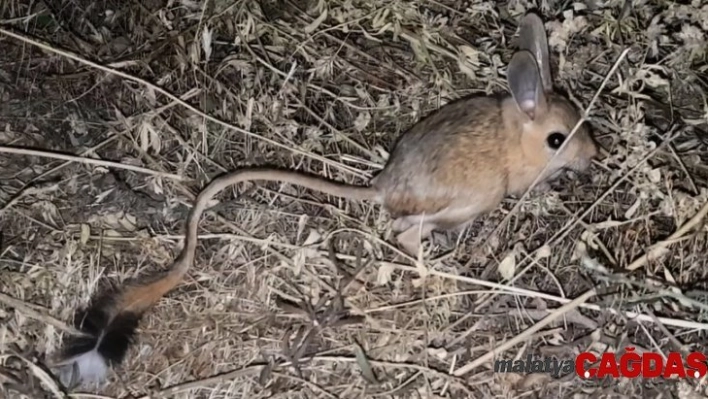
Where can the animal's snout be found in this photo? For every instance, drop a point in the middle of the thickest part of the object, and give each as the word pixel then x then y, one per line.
pixel 584 159
pixel 583 164
pixel 590 150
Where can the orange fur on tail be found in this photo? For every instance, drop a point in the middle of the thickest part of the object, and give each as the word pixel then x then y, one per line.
pixel 138 299
pixel 110 322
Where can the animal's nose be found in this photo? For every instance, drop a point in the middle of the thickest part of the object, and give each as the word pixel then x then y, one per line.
pixel 585 160
pixel 583 164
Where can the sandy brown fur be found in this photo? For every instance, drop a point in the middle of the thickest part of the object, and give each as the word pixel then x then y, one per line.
pixel 528 152
pixel 432 166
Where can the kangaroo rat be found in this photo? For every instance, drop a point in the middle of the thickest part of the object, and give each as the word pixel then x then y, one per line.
pixel 454 165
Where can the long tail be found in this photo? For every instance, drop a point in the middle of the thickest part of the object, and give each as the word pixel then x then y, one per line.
pixel 111 322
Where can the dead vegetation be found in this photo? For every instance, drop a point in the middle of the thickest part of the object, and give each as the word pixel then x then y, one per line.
pixel 299 295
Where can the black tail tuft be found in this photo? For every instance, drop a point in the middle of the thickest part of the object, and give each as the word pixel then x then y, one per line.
pixel 109 336
pixel 111 339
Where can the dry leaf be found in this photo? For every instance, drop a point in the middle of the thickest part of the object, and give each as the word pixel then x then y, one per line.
pixel 543 252
pixel 670 278
pixel 507 267
pixel 633 209
pixel 362 121
pixel 85 233
pixel 149 138
pixel 116 220
pixel 366 371
pixel 440 353
pixel 466 69
pixel 206 43
pixel 316 23
pixel 301 223
pixel 50 212
pixel 580 251
pixel 607 224
pixel 654 175
pixel 312 238
pixel 45 378
pixel 383 276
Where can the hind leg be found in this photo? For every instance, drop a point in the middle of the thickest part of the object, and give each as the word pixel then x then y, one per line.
pixel 410 239
pixel 455 221
pixel 401 224
pixel 413 229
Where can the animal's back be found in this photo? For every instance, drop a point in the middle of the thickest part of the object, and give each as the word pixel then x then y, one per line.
pixel 453 157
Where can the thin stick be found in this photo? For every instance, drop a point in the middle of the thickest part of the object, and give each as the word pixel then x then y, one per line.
pixel 657 250
pixel 67 163
pixel 205 382
pixel 591 306
pixel 392 364
pixel 35 312
pixel 511 290
pixel 562 233
pixel 524 335
pixel 29 190
pixel 502 289
pixel 90 161
pixel 110 139
pixel 174 98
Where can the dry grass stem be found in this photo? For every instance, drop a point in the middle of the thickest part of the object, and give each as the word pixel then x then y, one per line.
pixel 164 92
pixel 524 335
pixel 34 312
pixel 658 249
pixel 89 161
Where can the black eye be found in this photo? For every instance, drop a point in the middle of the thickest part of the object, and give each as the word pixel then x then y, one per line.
pixel 555 140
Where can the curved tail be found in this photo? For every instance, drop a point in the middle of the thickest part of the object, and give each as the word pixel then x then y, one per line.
pixel 110 323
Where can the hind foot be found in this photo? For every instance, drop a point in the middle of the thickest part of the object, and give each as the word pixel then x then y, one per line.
pixel 410 239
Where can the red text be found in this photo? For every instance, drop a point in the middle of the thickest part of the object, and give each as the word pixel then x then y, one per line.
pixel 647 365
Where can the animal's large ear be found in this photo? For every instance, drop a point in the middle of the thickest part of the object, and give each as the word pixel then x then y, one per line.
pixel 525 83
pixel 532 37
